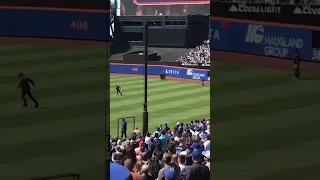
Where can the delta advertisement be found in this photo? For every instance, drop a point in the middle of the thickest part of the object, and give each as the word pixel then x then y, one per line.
pixel 264 40
pixel 54 24
pixel 173 71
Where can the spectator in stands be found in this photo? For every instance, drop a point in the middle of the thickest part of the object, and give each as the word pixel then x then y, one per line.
pixel 200 54
pixel 197 170
pixel 138 133
pixel 145 157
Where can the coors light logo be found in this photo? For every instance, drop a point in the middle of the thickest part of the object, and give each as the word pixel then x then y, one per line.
pixel 307 10
pixel 250 8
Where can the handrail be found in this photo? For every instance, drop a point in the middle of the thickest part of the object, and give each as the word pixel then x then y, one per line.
pixel 75 177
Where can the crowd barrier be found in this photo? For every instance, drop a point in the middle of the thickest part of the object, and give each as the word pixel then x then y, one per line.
pixel 173 71
pixel 264 40
pixel 54 24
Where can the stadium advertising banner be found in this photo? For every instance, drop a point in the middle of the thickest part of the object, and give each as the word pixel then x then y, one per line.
pixel 163 7
pixel 261 40
pixel 179 72
pixel 55 19
pixel 281 13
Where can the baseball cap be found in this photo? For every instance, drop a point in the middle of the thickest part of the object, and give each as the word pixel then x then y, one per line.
pixel 118 172
pixel 195 145
pixel 196 154
pixel 205 136
pixel 206 154
pixel 170 174
pixel 141 143
pixel 172 137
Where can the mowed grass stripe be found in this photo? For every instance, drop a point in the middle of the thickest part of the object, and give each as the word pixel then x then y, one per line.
pixel 263 123
pixel 49 130
pixel 155 94
pixel 236 112
pixel 261 94
pixel 56 82
pixel 52 59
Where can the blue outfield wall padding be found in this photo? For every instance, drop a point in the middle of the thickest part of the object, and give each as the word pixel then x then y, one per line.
pixel 54 24
pixel 173 71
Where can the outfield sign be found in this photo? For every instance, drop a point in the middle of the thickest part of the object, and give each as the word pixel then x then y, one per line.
pixel 261 40
pixel 55 24
pixel 173 71
pixel 170 2
pixel 280 13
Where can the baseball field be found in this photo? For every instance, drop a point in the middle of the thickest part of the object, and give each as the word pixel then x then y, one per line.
pixel 266 124
pixel 169 101
pixel 66 133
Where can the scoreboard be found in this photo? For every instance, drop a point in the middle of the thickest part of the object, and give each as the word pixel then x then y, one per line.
pixel 55 19
pixel 170 2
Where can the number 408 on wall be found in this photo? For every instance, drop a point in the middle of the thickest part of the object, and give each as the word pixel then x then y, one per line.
pixel 316 54
pixel 79 25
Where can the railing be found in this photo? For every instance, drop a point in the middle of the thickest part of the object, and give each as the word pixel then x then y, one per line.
pixel 74 176
pixel 307 2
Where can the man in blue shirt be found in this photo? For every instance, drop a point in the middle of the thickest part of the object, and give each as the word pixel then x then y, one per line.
pixel 124 129
pixel 164 140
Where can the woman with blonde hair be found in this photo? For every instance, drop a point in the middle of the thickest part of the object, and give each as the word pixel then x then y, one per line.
pixel 137 167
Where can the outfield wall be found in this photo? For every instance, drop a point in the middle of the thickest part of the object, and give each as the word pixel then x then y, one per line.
pixel 173 71
pixel 55 23
pixel 259 38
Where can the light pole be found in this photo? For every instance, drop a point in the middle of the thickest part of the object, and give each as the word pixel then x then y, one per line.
pixel 145 105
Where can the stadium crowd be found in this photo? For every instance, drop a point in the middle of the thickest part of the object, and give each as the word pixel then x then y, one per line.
pixel 180 153
pixel 199 54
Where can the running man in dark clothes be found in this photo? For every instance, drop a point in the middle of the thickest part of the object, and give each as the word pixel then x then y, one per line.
pixel 118 88
pixel 124 129
pixel 202 82
pixel 26 90
pixel 296 64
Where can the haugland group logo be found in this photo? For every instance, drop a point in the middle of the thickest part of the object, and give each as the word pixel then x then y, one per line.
pixel 248 8
pixel 255 34
pixel 307 10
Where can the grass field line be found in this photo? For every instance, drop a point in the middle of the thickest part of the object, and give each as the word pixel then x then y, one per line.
pixel 51 84
pixel 80 69
pixel 260 94
pixel 55 69
pixel 58 66
pixel 159 101
pixel 55 103
pixel 159 93
pixel 261 123
pixel 48 130
pixel 80 57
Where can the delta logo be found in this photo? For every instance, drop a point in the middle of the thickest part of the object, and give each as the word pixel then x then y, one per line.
pixel 135 69
pixel 306 10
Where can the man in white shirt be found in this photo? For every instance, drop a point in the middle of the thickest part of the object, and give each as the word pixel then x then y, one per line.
pixel 183 167
pixel 206 142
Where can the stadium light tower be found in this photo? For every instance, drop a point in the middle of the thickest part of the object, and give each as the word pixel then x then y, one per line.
pixel 145 105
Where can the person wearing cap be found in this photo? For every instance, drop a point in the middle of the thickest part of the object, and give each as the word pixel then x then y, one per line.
pixel 206 142
pixel 195 146
pixel 168 165
pixel 206 155
pixel 197 170
pixel 139 150
pixel 169 174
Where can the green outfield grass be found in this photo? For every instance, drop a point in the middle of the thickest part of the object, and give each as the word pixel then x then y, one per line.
pixel 266 124
pixel 66 134
pixel 168 101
